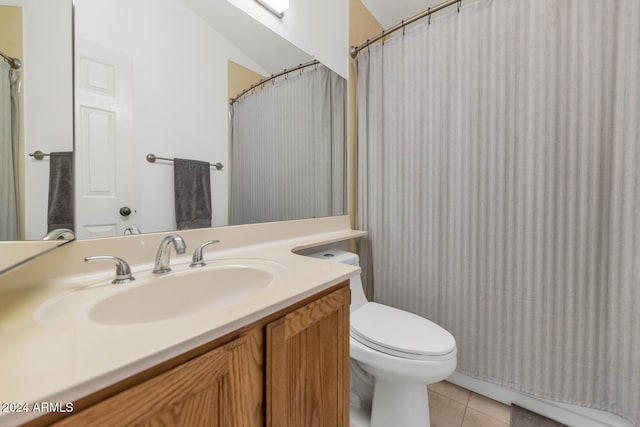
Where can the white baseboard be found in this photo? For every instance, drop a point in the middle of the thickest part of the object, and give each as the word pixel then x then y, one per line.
pixel 570 415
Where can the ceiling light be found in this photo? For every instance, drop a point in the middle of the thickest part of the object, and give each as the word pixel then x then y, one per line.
pixel 277 7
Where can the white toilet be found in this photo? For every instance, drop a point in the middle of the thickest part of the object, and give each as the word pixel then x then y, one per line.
pixel 394 355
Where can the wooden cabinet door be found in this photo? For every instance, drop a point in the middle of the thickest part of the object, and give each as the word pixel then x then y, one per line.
pixel 308 364
pixel 223 387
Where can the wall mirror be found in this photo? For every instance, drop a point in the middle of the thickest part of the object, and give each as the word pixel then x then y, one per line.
pixel 180 62
pixel 39 34
pixel 155 77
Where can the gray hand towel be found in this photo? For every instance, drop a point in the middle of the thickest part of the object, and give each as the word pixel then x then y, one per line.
pixel 192 188
pixel 60 210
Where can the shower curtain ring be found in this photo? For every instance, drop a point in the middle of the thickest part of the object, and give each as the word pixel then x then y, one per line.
pixel 429 13
pixel 403 28
pixel 459 5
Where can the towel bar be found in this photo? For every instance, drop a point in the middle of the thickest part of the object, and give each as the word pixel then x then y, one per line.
pixel 151 158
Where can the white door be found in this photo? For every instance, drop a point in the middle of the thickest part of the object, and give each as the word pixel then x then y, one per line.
pixel 104 142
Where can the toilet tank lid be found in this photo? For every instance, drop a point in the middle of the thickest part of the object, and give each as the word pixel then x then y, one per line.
pixel 337 255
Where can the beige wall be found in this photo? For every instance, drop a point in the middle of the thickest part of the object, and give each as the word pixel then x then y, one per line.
pixel 362 26
pixel 239 78
pixel 11 44
pixel 11 30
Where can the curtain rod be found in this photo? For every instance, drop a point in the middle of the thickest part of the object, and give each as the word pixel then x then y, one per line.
pixel 356 49
pixel 14 62
pixel 273 76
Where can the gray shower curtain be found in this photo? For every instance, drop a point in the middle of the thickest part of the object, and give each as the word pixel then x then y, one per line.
pixel 9 125
pixel 288 149
pixel 499 179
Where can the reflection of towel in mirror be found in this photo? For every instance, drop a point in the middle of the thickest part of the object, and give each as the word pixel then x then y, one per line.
pixel 60 210
pixel 192 189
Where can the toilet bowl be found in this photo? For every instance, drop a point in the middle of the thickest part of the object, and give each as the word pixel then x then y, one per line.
pixel 394 356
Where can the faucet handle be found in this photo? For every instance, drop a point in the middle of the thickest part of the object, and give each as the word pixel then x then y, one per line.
pixel 196 260
pixel 123 271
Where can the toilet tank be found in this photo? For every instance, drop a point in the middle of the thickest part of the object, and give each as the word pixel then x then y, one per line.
pixel 358 298
pixel 337 255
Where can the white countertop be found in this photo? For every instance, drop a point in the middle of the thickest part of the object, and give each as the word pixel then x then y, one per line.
pixel 60 358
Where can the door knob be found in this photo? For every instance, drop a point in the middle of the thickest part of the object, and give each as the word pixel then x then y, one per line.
pixel 125 211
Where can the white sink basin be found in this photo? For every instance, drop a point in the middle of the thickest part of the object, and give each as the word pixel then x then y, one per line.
pixel 180 295
pixel 153 297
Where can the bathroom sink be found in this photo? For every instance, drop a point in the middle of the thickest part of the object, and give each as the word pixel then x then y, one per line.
pixel 179 294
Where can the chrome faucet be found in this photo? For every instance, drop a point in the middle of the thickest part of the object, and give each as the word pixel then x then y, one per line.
pixel 196 260
pixel 123 271
pixel 59 234
pixel 164 252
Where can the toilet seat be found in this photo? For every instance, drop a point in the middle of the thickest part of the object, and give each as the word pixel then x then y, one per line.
pixel 400 333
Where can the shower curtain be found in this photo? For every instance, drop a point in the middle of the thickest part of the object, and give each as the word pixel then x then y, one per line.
pixel 288 149
pixel 9 227
pixel 499 179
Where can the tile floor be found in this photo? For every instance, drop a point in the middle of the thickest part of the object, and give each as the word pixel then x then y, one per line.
pixel 454 406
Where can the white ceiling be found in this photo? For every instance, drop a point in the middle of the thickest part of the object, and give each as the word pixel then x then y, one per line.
pixel 262 45
pixel 391 12
pixel 273 52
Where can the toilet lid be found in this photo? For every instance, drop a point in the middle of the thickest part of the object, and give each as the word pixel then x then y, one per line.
pixel 400 333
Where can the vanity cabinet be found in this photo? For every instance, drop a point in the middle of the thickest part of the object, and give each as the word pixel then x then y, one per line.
pixel 220 388
pixel 289 369
pixel 308 364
